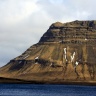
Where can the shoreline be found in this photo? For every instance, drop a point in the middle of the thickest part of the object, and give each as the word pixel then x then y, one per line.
pixel 21 81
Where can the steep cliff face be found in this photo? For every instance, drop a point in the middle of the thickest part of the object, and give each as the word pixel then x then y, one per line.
pixel 65 52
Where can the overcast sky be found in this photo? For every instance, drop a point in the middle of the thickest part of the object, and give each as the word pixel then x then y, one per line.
pixel 23 22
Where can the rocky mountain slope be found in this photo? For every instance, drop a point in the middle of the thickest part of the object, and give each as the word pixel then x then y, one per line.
pixel 66 52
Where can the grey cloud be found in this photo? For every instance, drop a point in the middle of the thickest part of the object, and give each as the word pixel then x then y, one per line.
pixel 69 9
pixel 22 35
pixel 54 11
pixel 6 54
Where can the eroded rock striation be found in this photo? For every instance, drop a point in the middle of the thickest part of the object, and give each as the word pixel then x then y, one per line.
pixel 66 52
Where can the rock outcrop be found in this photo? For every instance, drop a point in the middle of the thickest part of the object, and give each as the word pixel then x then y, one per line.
pixel 65 52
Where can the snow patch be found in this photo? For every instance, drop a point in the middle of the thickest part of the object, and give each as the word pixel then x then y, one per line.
pixel 36 63
pixel 60 41
pixel 51 64
pixel 26 57
pixel 37 58
pixel 76 63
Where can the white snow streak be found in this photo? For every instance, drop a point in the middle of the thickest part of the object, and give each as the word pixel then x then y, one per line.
pixel 26 57
pixel 51 64
pixel 72 57
pixel 65 51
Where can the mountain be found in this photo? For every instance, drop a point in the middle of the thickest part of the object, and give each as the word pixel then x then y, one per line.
pixel 66 52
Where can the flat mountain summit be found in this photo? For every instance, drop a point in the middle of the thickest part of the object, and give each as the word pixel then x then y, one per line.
pixel 65 52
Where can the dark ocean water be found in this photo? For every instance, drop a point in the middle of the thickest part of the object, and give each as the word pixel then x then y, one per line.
pixel 46 90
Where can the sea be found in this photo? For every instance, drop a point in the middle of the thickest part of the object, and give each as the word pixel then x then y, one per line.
pixel 46 90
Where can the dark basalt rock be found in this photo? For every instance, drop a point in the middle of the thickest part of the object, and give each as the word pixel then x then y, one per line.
pixel 70 31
